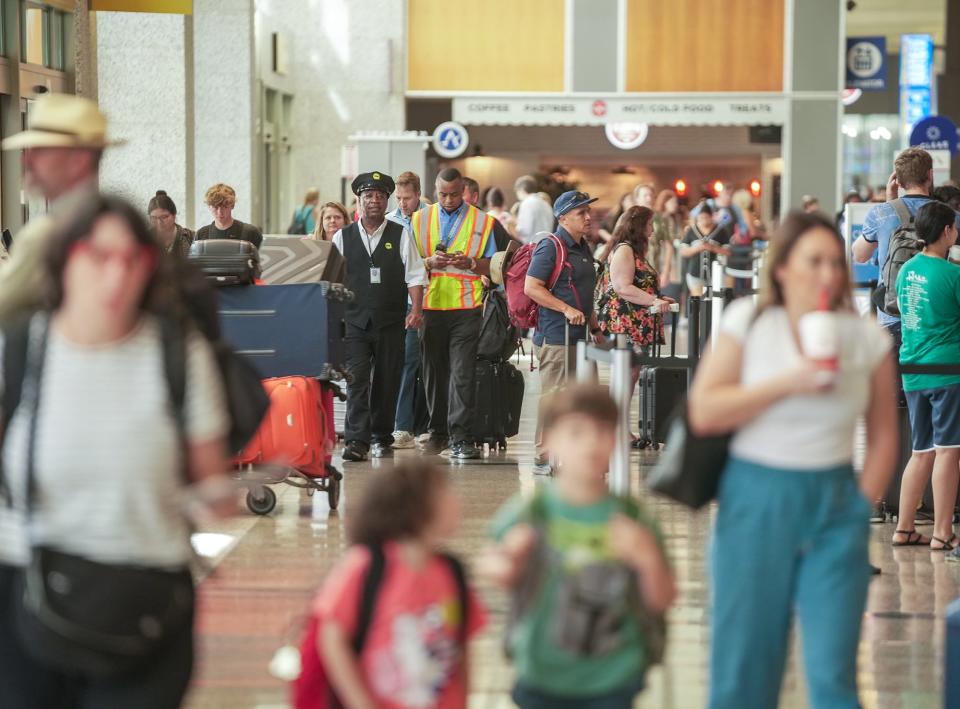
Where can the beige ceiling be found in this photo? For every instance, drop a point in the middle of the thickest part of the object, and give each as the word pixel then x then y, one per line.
pixel 895 17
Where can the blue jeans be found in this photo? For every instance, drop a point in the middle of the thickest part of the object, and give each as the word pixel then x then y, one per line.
pixel 408 382
pixel 787 542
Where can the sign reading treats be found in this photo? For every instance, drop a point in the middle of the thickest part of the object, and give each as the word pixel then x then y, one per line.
pixel 171 7
pixel 686 110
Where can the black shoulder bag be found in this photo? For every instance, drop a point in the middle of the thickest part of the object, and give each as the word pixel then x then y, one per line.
pixel 83 616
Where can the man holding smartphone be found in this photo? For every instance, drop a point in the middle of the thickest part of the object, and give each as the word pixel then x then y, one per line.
pixel 456 243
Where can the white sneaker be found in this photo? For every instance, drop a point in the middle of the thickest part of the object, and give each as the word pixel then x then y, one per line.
pixel 423 439
pixel 403 439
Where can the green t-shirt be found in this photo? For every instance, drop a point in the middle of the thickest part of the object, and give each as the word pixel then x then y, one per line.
pixel 928 295
pixel 575 537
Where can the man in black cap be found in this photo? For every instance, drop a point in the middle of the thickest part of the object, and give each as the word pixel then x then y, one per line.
pixel 383 267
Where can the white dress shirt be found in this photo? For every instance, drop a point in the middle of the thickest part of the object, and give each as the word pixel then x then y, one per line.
pixel 414 272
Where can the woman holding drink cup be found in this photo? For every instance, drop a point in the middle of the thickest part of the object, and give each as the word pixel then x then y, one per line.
pixel 789 378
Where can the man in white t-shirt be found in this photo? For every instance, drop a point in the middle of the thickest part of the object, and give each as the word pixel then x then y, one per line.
pixel 534 215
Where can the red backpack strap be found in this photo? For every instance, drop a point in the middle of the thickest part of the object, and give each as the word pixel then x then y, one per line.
pixel 561 259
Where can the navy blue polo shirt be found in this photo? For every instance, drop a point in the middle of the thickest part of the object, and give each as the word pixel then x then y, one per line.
pixel 574 287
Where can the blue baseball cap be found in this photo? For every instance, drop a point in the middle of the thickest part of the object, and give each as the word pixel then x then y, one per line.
pixel 571 200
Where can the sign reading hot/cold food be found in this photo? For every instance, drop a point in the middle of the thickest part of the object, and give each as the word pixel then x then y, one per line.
pixel 867 63
pixel 586 111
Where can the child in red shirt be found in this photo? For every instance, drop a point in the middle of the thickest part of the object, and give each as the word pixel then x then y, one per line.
pixel 415 654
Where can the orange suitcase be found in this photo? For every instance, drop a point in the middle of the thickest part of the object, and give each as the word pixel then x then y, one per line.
pixel 294 432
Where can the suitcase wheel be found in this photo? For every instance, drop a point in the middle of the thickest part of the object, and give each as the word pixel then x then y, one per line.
pixel 261 501
pixel 333 491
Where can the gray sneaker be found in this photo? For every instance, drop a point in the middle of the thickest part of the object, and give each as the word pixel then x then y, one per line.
pixel 953 554
pixel 542 469
pixel 464 451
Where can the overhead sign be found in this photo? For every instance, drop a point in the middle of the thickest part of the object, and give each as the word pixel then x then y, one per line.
pixel 916 79
pixel 173 7
pixel 867 63
pixel 450 139
pixel 710 110
pixel 626 136
pixel 935 133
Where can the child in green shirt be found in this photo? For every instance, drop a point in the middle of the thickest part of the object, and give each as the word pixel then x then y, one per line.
pixel 586 568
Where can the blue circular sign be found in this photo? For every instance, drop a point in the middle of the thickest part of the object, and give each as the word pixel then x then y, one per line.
pixel 935 133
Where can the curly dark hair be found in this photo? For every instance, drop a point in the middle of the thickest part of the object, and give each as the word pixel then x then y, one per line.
pixel 397 503
pixel 159 296
pixel 631 228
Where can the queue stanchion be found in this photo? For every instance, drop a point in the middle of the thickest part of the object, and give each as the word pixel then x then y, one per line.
pixel 621 384
pixel 584 370
pixel 694 306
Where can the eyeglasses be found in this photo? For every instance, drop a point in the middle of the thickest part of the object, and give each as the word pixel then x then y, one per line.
pixel 161 218
pixel 127 258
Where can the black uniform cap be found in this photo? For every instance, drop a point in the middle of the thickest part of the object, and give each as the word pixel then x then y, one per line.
pixel 373 181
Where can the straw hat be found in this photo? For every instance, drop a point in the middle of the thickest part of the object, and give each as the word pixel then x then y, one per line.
pixel 500 262
pixel 62 121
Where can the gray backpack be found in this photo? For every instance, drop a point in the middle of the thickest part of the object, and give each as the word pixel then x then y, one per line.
pixel 903 247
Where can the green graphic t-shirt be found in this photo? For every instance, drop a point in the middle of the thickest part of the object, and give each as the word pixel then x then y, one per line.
pixel 552 651
pixel 928 295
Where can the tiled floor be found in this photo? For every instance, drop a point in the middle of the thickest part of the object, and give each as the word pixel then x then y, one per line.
pixel 270 567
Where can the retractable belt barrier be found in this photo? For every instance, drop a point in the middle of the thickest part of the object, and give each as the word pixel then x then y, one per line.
pixel 622 358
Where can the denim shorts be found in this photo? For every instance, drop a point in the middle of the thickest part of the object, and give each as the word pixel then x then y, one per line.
pixel 935 417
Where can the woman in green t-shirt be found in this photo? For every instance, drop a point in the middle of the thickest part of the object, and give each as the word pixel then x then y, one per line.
pixel 928 295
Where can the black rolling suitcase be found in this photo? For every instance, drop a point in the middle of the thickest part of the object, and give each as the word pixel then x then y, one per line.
pixel 661 391
pixel 498 397
pixel 226 262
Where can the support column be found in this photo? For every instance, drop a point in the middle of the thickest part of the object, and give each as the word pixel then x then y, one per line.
pixel 814 45
pixel 949 85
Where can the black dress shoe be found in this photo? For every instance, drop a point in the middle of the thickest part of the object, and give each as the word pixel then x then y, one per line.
pixel 354 452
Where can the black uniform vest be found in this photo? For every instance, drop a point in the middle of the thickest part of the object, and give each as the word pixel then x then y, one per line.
pixel 383 303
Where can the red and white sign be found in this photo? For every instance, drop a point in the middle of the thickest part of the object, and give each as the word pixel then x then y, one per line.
pixel 626 136
pixel 599 108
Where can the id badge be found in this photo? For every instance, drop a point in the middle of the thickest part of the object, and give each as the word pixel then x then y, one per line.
pixel 374 275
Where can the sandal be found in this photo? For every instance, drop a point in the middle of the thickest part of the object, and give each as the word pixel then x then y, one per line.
pixel 914 539
pixel 948 545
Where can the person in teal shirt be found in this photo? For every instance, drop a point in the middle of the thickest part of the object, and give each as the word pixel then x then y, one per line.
pixel 586 569
pixel 305 216
pixel 928 295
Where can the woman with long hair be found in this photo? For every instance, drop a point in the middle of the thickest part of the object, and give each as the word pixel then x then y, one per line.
pixel 792 527
pixel 97 456
pixel 666 231
pixel 630 285
pixel 174 239
pixel 333 217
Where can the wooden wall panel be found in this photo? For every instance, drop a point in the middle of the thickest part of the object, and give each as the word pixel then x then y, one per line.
pixel 704 45
pixel 491 45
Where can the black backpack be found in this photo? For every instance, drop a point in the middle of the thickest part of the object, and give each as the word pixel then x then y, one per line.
pixel 498 339
pixel 903 247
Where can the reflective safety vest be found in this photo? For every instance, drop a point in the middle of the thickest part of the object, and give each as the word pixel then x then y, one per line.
pixel 452 288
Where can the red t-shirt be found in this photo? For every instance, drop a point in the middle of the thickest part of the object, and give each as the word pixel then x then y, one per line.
pixel 412 657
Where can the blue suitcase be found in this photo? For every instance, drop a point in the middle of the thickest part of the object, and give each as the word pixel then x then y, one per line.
pixel 287 330
pixel 951 673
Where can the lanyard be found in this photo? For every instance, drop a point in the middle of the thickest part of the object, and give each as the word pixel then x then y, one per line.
pixel 369 240
pixel 452 233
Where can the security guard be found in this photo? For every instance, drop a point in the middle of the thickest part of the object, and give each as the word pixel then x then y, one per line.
pixel 454 239
pixel 382 269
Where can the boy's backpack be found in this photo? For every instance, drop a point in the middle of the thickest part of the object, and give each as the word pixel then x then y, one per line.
pixel 903 247
pixel 312 689
pixel 522 309
pixel 597 594
pixel 299 223
pixel 498 335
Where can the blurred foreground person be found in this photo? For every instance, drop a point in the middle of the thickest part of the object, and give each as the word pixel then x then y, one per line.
pixel 61 160
pixel 789 378
pixel 109 429
pixel 404 646
pixel 586 569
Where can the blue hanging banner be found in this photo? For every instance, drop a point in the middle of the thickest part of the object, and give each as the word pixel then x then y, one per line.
pixel 867 63
pixel 916 79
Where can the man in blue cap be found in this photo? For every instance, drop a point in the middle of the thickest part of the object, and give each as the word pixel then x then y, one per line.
pixel 568 304
pixel 383 268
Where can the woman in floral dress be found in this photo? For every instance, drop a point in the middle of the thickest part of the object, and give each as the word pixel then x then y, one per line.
pixel 629 285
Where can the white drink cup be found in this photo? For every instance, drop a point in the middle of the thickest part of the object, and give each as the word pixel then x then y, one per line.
pixel 820 340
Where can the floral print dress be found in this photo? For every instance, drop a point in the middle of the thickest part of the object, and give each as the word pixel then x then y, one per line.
pixel 618 316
